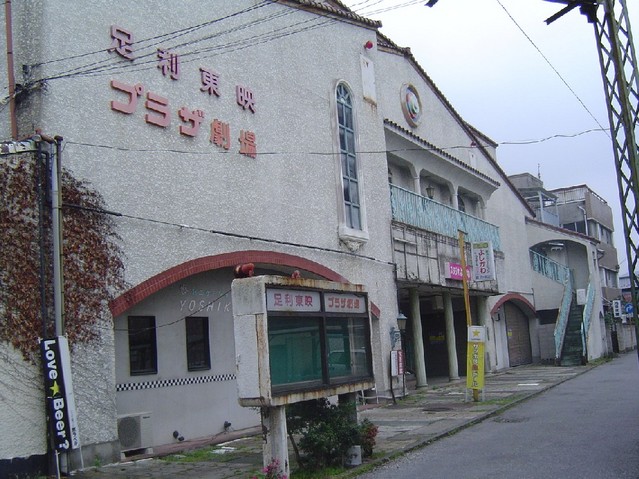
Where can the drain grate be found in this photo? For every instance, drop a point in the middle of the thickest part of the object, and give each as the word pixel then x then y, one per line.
pixel 437 409
pixel 507 420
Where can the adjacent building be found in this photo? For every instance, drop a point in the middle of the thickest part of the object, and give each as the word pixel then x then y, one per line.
pixel 581 209
pixel 578 251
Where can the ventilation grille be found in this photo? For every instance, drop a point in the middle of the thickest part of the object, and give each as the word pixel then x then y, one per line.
pixel 135 431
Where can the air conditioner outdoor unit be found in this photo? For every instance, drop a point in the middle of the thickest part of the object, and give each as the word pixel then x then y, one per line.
pixel 135 431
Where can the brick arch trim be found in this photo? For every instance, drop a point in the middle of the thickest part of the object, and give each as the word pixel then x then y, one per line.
pixel 226 260
pixel 529 309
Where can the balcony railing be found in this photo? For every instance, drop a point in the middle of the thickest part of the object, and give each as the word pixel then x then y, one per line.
pixel 426 214
pixel 549 268
pixel 585 324
pixel 562 317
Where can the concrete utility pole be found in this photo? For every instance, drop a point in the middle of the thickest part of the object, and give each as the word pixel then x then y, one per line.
pixel 621 84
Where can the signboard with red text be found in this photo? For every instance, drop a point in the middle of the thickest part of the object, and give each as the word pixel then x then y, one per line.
pixel 483 261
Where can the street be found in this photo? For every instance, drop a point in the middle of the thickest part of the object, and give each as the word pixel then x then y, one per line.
pixel 587 427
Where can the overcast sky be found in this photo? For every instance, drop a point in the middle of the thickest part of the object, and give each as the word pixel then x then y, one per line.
pixel 498 81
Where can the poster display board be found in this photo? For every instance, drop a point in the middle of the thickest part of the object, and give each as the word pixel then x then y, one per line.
pixel 299 339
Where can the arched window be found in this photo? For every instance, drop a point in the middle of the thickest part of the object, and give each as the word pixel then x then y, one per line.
pixel 350 182
pixel 461 205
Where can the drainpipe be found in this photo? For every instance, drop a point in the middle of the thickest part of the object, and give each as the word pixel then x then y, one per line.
pixel 583 210
pixel 10 72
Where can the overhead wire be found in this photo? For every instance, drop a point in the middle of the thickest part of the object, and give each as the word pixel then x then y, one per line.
pixel 170 35
pixel 107 66
pixel 331 153
pixel 104 66
pixel 405 4
pixel 220 233
pixel 174 322
pixel 564 81
pixel 225 233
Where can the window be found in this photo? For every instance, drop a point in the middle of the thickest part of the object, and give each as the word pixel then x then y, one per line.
pixel 142 345
pixel 461 205
pixel 198 354
pixel 296 345
pixel 350 181
pixel 295 351
pixel 347 352
pixel 605 235
pixel 321 346
pixel 578 226
pixel 610 278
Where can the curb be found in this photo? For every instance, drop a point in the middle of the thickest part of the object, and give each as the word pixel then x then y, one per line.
pixel 375 463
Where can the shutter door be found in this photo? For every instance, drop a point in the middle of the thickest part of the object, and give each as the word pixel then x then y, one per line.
pixel 519 348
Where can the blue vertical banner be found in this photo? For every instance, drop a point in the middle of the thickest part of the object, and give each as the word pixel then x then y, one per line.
pixel 58 391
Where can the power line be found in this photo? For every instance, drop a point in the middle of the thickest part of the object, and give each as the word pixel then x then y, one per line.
pixel 225 233
pixel 553 137
pixel 552 67
pixel 331 153
pixel 146 61
pixel 179 320
pixel 170 35
pixel 102 67
pixel 408 3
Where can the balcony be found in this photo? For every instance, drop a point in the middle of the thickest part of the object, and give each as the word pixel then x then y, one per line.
pixel 420 212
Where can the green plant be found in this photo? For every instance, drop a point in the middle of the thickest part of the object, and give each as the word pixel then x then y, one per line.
pixel 271 471
pixel 367 434
pixel 327 431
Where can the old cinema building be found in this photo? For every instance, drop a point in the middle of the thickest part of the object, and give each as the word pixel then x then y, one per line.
pixel 290 135
pixel 215 138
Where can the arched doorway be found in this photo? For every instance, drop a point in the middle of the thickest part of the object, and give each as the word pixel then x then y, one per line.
pixel 518 335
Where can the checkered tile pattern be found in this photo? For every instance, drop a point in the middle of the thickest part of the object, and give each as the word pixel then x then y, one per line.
pixel 165 383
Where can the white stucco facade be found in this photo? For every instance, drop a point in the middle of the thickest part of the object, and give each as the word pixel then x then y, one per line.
pixel 236 157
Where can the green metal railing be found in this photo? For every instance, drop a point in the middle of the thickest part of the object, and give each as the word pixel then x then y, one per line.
pixel 549 268
pixel 560 273
pixel 585 324
pixel 562 317
pixel 426 214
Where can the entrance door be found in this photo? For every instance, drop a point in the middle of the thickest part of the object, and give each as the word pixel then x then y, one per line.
pixel 519 348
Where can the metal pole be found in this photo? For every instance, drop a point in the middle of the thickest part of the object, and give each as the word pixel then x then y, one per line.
pixel 462 254
pixel 56 203
pixel 621 84
pixel 469 320
pixel 41 237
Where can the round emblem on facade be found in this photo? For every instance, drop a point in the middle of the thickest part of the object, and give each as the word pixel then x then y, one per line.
pixel 411 105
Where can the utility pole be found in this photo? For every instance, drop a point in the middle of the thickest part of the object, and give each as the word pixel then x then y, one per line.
pixel 618 64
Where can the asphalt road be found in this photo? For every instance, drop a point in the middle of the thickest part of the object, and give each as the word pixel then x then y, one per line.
pixel 586 428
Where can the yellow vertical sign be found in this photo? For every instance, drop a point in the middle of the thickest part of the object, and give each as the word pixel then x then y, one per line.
pixel 475 358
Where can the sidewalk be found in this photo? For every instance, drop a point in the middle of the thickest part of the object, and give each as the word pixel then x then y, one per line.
pixel 420 418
